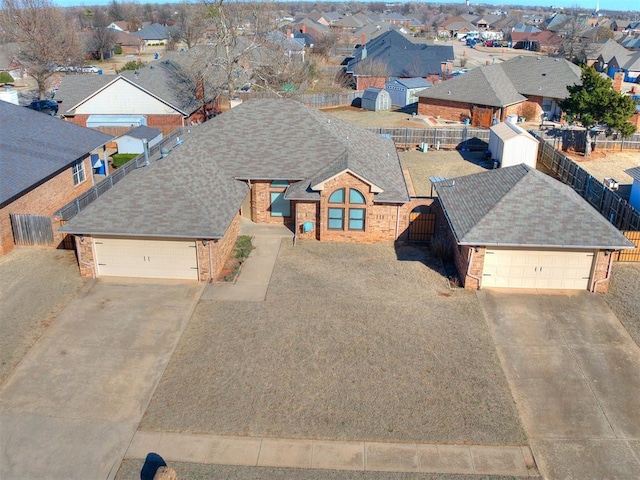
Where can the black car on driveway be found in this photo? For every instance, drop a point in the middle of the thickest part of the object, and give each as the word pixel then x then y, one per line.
pixel 45 106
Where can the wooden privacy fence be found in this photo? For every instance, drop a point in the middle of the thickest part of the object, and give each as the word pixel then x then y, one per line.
pixel 315 100
pixel 611 205
pixel 31 229
pixel 71 209
pixel 463 138
pixel 565 138
pixel 629 255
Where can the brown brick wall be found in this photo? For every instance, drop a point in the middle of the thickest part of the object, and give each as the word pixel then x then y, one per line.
pixel 405 211
pixel 165 123
pixel 45 199
pixel 599 281
pixel 534 101
pixel 86 262
pixel 307 212
pixel 446 109
pixel 362 83
pixel 261 203
pixel 216 252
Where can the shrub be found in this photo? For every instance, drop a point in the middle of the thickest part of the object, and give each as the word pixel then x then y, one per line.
pixel 441 246
pixel 117 50
pixel 5 77
pixel 243 247
pixel 131 65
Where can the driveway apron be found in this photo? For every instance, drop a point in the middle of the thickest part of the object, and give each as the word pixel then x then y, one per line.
pixel 72 405
pixel 574 372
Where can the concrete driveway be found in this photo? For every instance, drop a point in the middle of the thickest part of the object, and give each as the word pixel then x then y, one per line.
pixel 574 372
pixel 72 405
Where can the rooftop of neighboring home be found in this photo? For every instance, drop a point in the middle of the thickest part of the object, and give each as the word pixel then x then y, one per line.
pixel 267 139
pixel 36 147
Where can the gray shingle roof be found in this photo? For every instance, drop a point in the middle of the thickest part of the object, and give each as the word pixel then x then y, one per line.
pixel 634 173
pixel 518 206
pixel 197 190
pixel 34 147
pixel 543 76
pixel 143 132
pixel 487 85
pixel 155 31
pixel 75 88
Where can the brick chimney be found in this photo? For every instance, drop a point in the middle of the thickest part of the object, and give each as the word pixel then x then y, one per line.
pixel 289 33
pixel 618 78
pixel 304 28
pixel 363 39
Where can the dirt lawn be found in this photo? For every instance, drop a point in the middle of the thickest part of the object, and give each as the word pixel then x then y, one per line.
pixel 624 296
pixel 603 164
pixel 36 283
pixel 361 342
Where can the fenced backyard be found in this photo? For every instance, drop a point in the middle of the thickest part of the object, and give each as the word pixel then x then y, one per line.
pixel 613 207
pixel 315 100
pixel 567 138
pixel 462 138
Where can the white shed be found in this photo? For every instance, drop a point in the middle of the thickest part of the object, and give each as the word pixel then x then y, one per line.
pixel 376 99
pixel 131 142
pixel 511 145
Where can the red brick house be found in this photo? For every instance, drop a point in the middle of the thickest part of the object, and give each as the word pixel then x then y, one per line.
pixel 272 161
pixel 516 227
pixel 160 94
pixel 525 86
pixel 45 163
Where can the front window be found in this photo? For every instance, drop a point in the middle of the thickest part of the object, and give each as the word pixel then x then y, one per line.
pixel 341 204
pixel 78 173
pixel 280 207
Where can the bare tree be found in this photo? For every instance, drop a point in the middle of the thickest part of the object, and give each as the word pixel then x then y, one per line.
pixel 44 38
pixel 191 22
pixel 101 41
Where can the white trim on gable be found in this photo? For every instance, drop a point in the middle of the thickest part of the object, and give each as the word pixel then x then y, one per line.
pixel 374 188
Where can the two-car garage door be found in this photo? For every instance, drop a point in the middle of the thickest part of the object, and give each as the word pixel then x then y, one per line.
pixel 552 269
pixel 146 258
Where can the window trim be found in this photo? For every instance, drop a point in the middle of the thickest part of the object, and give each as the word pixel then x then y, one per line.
pixel 341 218
pixel 347 209
pixel 78 172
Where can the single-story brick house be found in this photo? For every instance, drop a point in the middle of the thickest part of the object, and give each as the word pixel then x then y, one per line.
pixel 45 164
pixel 272 161
pixel 516 227
pixel 524 86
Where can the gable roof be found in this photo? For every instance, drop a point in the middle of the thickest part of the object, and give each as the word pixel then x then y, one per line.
pixel 487 85
pixel 402 57
pixel 633 173
pixel 519 206
pixel 508 130
pixel 416 82
pixel 204 181
pixel 542 76
pixel 163 79
pixel 35 147
pixel 155 31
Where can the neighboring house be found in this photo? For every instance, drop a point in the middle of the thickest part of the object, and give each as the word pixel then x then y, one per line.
pixel 628 64
pixel 545 41
pixel 120 26
pixel 270 160
pixel 160 92
pixel 455 26
pixel 154 34
pixel 375 99
pixel 9 61
pixel 598 54
pixel 133 141
pixel 632 42
pixel 45 163
pixel 130 44
pixel 489 93
pixel 511 145
pixel 404 91
pixel 393 55
pixel 634 199
pixel 516 227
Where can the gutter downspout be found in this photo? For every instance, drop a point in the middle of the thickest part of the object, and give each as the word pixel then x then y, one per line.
pixel 472 250
pixel 211 272
pixel 397 221
pixel 607 276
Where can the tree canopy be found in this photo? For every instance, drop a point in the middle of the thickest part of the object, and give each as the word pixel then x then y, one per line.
pixel 595 102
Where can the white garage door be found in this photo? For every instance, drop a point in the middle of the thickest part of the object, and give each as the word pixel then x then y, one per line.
pixel 569 270
pixel 146 258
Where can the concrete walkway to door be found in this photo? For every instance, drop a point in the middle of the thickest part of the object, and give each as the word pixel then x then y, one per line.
pixel 574 372
pixel 72 405
pixel 253 282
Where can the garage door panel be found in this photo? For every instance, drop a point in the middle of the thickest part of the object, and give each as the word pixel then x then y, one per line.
pixel 145 258
pixel 537 269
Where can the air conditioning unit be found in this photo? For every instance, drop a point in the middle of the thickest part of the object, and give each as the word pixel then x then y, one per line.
pixel 611 183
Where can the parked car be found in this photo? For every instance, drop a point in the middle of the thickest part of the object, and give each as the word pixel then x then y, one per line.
pixel 90 69
pixel 45 106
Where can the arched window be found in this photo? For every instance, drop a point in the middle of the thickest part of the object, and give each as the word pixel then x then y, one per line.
pixel 353 206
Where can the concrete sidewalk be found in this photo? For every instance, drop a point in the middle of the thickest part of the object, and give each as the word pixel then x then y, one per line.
pixel 252 283
pixel 574 372
pixel 335 455
pixel 72 405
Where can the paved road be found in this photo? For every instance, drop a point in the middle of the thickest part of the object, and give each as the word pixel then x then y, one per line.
pixel 574 372
pixel 72 405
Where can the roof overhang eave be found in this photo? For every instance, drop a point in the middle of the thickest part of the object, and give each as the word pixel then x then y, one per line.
pixel 552 247
pixel 81 232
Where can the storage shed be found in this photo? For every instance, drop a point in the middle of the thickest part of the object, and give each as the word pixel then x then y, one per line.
pixel 376 99
pixel 132 141
pixel 404 91
pixel 511 145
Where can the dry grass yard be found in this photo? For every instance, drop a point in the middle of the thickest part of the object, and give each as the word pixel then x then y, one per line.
pixel 353 342
pixel 624 296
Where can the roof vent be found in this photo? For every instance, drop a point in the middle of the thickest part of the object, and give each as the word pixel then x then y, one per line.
pixel 449 92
